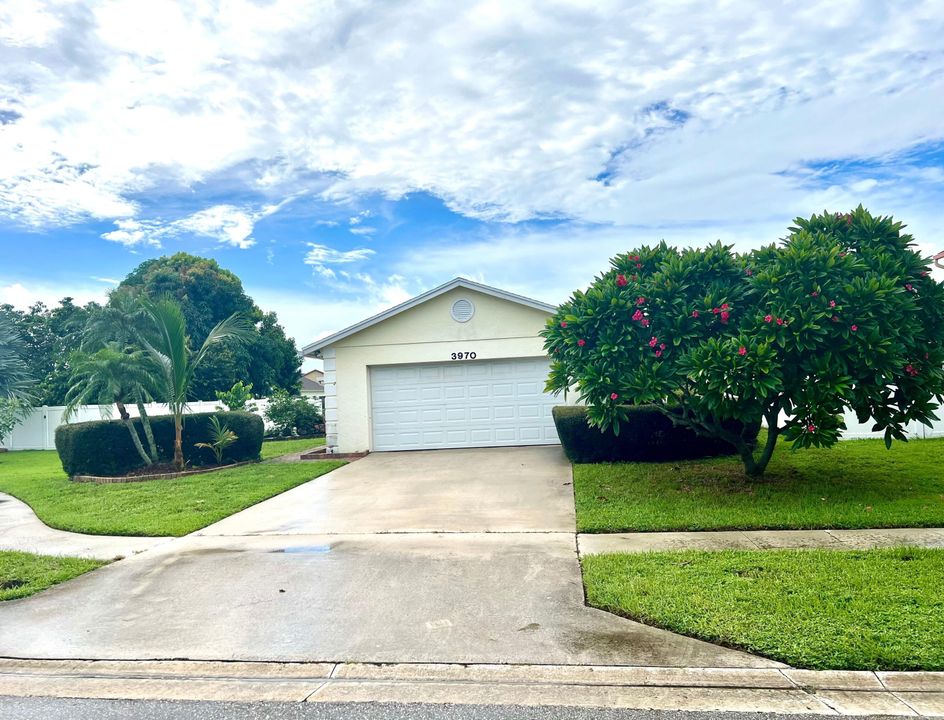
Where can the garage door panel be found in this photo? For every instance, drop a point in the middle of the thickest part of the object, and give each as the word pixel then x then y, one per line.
pixel 469 404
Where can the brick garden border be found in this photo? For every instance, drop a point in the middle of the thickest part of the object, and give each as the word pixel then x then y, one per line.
pixel 105 480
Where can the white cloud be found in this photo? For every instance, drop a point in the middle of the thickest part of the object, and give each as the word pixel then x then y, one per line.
pixel 228 224
pixel 506 110
pixel 22 296
pixel 320 257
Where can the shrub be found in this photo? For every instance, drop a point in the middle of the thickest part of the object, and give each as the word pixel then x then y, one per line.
pixel 292 415
pixel 841 315
pixel 237 397
pixel 646 435
pixel 104 447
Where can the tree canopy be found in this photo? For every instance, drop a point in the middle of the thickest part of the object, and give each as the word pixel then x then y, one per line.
pixel 841 315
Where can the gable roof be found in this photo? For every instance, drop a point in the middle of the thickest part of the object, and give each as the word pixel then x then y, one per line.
pixel 315 347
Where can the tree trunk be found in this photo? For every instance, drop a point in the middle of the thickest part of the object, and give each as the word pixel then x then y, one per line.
pixel 755 467
pixel 148 433
pixel 178 442
pixel 126 419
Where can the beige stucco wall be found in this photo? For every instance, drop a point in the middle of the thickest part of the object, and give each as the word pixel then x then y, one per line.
pixel 426 333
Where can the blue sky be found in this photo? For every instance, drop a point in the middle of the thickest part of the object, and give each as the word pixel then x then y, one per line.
pixel 341 158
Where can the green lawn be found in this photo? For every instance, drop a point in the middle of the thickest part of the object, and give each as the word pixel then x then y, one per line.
pixel 23 574
pixel 274 448
pixel 856 484
pixel 157 507
pixel 820 609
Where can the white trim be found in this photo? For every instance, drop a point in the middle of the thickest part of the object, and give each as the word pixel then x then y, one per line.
pixel 313 350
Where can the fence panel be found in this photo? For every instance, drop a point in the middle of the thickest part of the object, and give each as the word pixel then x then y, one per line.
pixel 38 430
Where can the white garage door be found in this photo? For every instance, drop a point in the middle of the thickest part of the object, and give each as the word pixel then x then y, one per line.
pixel 481 403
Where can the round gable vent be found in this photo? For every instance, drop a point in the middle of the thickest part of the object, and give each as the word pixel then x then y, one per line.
pixel 462 310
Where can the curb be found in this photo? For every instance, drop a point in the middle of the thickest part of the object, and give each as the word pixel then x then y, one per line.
pixel 642 688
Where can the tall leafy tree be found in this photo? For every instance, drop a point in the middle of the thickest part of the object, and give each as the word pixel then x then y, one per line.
pixel 50 335
pixel 841 315
pixel 207 295
pixel 166 341
pixel 16 381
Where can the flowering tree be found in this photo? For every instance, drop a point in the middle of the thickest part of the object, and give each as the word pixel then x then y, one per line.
pixel 842 314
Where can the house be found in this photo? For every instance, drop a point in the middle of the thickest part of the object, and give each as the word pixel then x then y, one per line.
pixel 313 384
pixel 461 365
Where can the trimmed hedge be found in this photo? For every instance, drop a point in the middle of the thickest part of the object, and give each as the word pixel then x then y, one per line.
pixel 646 436
pixel 104 447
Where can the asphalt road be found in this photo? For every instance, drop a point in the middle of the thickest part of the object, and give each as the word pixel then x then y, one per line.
pixel 65 709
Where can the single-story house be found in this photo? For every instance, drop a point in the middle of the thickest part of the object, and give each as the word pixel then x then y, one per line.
pixel 313 384
pixel 461 365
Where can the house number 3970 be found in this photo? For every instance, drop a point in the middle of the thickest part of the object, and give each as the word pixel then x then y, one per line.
pixel 463 356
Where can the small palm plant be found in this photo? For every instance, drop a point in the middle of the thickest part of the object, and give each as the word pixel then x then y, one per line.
pixel 221 437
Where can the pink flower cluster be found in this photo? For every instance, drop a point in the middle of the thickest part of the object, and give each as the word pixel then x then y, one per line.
pixel 911 370
pixel 621 280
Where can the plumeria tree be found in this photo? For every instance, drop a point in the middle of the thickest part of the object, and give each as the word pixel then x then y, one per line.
pixel 841 315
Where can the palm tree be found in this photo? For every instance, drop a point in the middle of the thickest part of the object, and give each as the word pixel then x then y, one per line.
pixel 165 339
pixel 15 378
pixel 108 376
pixel 121 321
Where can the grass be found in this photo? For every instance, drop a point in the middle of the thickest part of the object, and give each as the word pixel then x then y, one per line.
pixel 274 448
pixel 819 609
pixel 158 507
pixel 856 484
pixel 23 574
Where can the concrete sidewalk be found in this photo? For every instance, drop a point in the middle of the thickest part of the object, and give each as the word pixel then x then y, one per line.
pixel 783 691
pixel 22 531
pixel 595 544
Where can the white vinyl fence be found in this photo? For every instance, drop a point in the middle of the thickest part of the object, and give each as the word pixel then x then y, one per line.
pixel 38 430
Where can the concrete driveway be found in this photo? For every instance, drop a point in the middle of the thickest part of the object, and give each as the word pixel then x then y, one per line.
pixel 446 557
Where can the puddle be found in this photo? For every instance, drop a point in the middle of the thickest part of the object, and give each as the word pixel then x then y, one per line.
pixel 306 549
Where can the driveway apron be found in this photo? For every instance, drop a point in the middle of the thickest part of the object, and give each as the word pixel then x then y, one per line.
pixel 450 556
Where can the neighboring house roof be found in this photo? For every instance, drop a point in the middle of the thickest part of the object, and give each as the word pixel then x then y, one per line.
pixel 313 386
pixel 316 375
pixel 318 345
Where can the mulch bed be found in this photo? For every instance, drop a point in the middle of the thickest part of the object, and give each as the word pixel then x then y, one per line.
pixel 147 473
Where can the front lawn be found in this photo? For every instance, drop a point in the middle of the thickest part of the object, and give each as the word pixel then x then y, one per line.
pixel 22 574
pixel 156 507
pixel 819 609
pixel 275 448
pixel 856 484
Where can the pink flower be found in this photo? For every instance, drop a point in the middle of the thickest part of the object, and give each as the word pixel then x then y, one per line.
pixel 563 323
pixel 835 318
pixel 581 342
pixel 716 310
pixel 742 350
pixel 645 322
pixel 658 353
pixel 638 266
pixel 768 318
pixel 637 316
pixel 748 272
pixel 653 341
pixel 832 303
pixel 725 306
pixel 924 273
pixel 909 287
pixel 842 254
pixel 811 428
pixel 620 280
pixel 780 321
pixel 662 346
pixel 814 294
pixel 724 316
pixel 911 370
pixel 640 300
pixel 694 313
pixel 854 328
pixel 614 396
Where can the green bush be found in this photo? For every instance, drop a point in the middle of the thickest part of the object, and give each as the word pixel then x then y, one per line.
pixel 292 415
pixel 104 447
pixel 645 435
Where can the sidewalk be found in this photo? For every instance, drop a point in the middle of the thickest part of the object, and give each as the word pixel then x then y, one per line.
pixel 593 544
pixel 652 688
pixel 22 531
